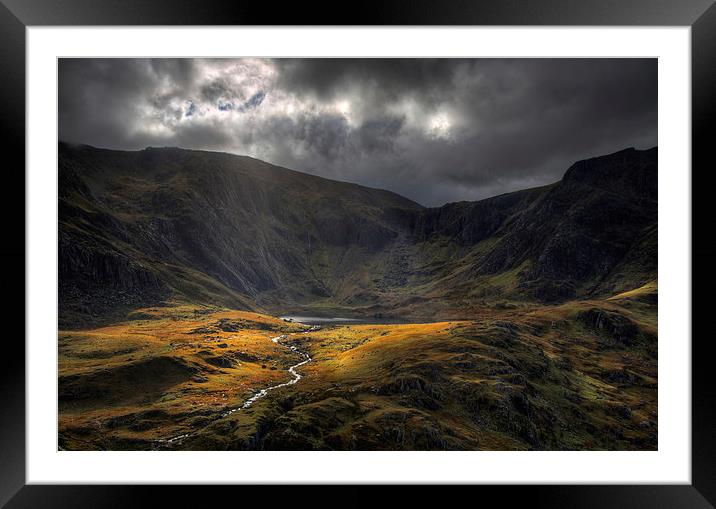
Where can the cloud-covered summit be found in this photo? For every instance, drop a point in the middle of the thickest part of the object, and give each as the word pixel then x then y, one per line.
pixel 433 130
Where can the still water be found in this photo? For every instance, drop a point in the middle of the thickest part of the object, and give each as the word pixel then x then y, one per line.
pixel 319 320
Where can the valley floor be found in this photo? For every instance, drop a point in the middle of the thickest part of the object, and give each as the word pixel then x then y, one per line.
pixel 579 376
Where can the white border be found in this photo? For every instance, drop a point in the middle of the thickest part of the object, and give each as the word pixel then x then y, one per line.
pixel 671 463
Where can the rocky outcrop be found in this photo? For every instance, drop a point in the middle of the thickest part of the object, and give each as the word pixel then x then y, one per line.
pixel 94 282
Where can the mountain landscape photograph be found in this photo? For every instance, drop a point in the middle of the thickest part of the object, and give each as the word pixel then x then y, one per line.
pixel 357 254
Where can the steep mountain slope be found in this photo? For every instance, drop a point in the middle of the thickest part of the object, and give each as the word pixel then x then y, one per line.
pixel 139 228
pixel 592 233
pixel 210 227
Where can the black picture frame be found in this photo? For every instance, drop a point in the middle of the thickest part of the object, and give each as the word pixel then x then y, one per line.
pixel 700 15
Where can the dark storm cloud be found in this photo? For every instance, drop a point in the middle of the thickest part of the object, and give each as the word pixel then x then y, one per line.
pixel 386 78
pixel 378 135
pixel 435 130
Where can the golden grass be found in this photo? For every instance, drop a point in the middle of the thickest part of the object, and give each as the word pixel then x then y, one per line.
pixel 94 356
pixel 651 287
pixel 421 385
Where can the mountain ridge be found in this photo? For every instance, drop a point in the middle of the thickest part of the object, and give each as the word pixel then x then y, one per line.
pixel 220 229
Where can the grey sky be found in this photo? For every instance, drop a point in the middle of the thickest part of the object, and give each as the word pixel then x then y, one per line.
pixel 434 130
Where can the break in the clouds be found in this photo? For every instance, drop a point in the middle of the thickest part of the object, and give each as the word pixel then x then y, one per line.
pixel 434 130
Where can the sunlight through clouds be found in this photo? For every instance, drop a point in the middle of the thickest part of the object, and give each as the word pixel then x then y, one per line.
pixel 489 126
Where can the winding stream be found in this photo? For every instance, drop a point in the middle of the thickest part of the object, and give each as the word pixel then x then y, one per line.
pixel 265 391
pixel 258 395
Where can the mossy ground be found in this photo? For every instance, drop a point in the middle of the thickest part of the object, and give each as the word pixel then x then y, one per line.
pixel 581 376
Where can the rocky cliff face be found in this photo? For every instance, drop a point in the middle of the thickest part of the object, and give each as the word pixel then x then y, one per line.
pixel 568 238
pixel 141 227
pixel 468 223
pixel 94 282
pixel 589 223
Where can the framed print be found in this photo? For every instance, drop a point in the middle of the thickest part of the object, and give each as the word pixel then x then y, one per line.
pixel 410 247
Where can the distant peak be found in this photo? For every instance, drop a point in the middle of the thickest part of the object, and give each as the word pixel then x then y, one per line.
pixel 629 172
